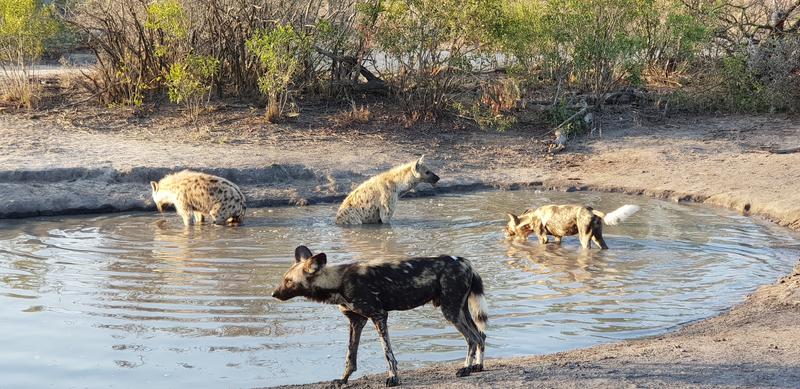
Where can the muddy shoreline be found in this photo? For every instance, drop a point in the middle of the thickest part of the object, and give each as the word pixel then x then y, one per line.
pixel 49 168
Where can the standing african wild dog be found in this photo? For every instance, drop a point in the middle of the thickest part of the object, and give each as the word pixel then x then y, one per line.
pixel 374 200
pixel 563 220
pixel 199 195
pixel 369 290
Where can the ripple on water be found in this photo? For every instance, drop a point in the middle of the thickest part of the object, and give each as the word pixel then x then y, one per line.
pixel 116 299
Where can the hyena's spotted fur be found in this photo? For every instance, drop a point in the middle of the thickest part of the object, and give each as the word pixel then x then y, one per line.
pixel 369 290
pixel 199 196
pixel 374 201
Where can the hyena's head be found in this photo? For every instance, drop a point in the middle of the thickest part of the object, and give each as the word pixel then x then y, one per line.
pixel 160 197
pixel 517 228
pixel 423 173
pixel 299 280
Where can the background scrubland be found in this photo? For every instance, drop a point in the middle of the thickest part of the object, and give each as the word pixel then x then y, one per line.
pixel 490 63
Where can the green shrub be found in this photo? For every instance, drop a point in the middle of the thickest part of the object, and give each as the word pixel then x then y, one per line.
pixel 25 26
pixel 189 82
pixel 280 52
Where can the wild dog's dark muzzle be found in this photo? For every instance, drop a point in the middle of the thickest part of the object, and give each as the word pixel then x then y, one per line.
pixel 284 294
pixel 433 179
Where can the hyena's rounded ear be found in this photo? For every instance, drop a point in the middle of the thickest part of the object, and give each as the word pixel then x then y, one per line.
pixel 154 186
pixel 301 253
pixel 315 263
pixel 419 162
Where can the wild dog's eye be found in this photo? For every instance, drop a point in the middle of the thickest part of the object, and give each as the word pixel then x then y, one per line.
pixel 427 172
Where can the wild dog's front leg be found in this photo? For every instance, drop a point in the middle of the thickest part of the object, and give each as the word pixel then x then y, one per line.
pixel 383 332
pixel 357 323
pixel 585 237
pixel 542 238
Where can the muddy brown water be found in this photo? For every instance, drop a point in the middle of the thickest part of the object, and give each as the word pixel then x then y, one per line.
pixel 121 301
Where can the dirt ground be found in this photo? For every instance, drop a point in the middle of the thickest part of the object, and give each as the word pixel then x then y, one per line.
pixel 92 160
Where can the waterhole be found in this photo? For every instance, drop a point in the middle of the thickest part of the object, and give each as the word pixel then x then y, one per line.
pixel 126 301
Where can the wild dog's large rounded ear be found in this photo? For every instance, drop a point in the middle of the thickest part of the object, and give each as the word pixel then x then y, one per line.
pixel 315 263
pixel 154 186
pixel 301 253
pixel 513 219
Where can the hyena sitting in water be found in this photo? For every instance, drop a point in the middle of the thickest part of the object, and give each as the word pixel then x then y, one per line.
pixel 200 195
pixel 374 200
pixel 369 290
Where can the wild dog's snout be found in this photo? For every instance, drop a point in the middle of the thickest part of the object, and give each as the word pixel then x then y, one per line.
pixel 281 294
pixel 434 179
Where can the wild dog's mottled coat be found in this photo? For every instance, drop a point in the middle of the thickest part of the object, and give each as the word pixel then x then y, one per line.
pixel 374 201
pixel 565 220
pixel 199 195
pixel 369 290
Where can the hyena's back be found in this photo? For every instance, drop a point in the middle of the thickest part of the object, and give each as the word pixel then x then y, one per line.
pixel 360 206
pixel 210 195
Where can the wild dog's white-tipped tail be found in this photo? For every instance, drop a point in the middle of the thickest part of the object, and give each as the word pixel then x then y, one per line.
pixel 620 214
pixel 477 303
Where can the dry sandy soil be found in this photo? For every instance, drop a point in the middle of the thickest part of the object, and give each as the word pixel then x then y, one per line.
pixel 95 161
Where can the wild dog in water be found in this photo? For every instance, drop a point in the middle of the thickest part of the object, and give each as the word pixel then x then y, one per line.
pixel 564 220
pixel 374 200
pixel 369 290
pixel 200 195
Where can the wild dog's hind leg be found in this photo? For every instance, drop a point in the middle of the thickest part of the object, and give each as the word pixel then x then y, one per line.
pixel 456 311
pixel 199 217
pixel 478 365
pixel 357 323
pixel 383 331
pixel 463 322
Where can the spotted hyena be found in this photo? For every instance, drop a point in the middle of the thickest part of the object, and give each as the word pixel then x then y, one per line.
pixel 369 290
pixel 374 200
pixel 201 196
pixel 564 220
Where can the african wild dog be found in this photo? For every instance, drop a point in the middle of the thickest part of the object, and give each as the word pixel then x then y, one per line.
pixel 369 290
pixel 199 195
pixel 563 220
pixel 374 200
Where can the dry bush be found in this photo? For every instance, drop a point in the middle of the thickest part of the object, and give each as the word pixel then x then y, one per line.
pixel 775 64
pixel 353 117
pixel 136 41
pixel 429 48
